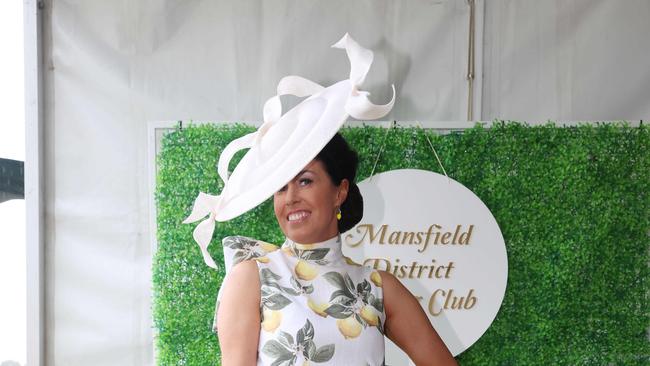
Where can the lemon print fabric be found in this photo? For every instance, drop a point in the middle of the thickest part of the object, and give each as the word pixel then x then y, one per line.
pixel 354 305
pixel 305 271
pixel 271 319
pixel 316 306
pixel 287 349
pixel 243 248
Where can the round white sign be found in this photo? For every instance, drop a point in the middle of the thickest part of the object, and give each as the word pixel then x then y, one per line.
pixel 441 241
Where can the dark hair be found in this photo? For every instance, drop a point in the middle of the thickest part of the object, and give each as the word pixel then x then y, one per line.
pixel 341 163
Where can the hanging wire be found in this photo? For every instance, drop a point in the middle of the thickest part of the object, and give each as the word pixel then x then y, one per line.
pixel 383 143
pixel 470 61
pixel 434 150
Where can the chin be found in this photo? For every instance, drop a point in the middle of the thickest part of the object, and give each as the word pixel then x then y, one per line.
pixel 298 236
pixel 301 230
pixel 305 234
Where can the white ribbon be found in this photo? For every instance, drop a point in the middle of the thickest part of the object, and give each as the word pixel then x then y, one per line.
pixel 357 105
pixel 203 205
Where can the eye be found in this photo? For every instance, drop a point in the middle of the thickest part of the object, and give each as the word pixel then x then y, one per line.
pixel 305 181
pixel 283 189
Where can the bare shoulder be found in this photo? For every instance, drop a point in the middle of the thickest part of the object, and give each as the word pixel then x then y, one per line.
pixel 396 296
pixel 387 277
pixel 242 278
pixel 247 269
pixel 238 315
pixel 391 284
pixel 240 290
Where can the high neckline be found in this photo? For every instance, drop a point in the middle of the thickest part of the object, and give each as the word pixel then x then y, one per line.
pixel 324 252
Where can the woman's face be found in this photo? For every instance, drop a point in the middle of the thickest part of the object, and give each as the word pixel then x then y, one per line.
pixel 306 206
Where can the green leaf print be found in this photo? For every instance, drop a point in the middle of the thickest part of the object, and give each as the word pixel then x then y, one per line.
pixel 299 288
pixel 310 350
pixel 339 311
pixel 276 301
pixel 353 303
pixel 340 283
pixel 286 339
pixel 272 293
pixel 348 282
pixel 313 254
pixel 245 248
pixel 378 304
pixel 285 351
pixel 238 242
pixel 270 279
pixel 239 257
pixel 306 333
pixel 339 294
pixel 324 354
pixel 286 360
pixel 363 288
pixel 275 349
pixel 267 276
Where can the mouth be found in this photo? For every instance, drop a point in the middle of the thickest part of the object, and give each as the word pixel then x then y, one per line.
pixel 296 217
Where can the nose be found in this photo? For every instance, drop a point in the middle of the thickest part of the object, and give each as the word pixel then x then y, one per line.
pixel 291 195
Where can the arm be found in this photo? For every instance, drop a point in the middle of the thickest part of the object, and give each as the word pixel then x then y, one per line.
pixel 238 315
pixel 408 326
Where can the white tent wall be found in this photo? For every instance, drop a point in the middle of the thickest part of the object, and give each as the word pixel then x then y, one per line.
pixel 566 60
pixel 113 66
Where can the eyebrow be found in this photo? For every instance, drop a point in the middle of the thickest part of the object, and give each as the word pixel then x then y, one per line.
pixel 304 171
pixel 301 172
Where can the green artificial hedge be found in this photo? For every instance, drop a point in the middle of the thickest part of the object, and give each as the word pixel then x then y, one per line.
pixel 572 204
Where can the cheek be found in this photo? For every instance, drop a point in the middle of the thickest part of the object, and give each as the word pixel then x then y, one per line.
pixel 276 208
pixel 325 201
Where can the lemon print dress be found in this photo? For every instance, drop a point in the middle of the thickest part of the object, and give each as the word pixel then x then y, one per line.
pixel 317 307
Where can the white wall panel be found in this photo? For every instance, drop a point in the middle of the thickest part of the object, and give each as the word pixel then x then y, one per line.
pixel 566 60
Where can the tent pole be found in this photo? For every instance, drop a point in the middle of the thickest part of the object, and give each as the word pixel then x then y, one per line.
pixel 34 192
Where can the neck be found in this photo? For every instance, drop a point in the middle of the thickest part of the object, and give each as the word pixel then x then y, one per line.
pixel 315 242
pixel 323 252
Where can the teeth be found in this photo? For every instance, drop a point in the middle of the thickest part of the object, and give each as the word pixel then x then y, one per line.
pixel 298 215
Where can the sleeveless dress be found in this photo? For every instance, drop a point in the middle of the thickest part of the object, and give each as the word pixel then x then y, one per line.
pixel 317 307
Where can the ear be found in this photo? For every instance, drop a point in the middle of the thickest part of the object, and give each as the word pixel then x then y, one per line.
pixel 342 193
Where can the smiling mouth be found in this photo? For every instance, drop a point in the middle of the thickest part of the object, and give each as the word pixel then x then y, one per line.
pixel 298 216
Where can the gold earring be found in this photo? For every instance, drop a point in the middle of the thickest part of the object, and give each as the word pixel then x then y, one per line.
pixel 338 214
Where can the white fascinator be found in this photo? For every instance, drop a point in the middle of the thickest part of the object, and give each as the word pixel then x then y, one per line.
pixel 285 143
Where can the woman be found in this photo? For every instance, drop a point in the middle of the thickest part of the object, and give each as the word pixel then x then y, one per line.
pixel 306 302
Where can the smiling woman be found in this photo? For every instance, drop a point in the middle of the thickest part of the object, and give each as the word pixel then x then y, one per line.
pixel 307 303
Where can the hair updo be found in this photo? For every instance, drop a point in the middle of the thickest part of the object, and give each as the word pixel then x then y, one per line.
pixel 341 162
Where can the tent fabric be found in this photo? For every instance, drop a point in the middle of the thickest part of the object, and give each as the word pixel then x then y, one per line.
pixel 578 60
pixel 113 67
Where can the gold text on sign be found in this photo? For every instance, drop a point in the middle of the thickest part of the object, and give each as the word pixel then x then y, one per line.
pixel 366 233
pixel 413 270
pixel 446 300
